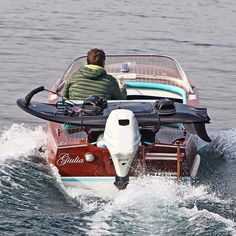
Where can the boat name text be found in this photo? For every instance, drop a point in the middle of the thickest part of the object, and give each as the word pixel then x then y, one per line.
pixel 64 158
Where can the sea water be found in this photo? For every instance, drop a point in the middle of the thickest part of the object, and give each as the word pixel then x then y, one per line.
pixel 33 200
pixel 39 39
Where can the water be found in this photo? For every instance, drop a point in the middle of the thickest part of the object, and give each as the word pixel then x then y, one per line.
pixel 39 39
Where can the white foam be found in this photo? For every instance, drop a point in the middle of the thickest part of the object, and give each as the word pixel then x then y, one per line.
pixel 20 140
pixel 155 203
pixel 156 200
pixel 194 214
pixel 84 197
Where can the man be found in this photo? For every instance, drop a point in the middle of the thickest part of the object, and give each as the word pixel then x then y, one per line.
pixel 92 79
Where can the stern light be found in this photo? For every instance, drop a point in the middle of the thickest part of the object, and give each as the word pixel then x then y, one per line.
pixel 89 157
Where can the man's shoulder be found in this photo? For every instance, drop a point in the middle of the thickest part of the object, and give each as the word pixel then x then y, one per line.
pixel 109 76
pixel 76 74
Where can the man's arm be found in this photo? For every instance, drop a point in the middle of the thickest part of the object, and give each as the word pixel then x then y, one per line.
pixel 65 92
pixel 118 91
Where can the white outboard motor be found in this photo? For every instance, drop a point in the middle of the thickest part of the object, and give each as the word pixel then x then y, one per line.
pixel 122 138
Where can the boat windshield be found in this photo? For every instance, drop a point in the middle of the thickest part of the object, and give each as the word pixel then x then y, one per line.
pixel 139 68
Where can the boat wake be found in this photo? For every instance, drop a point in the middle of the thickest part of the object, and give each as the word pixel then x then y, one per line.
pixel 85 198
pixel 161 206
pixel 19 165
pixel 157 207
pixel 21 141
pixel 32 192
pixel 30 201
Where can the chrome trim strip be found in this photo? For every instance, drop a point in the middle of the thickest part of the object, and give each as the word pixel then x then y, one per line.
pixel 160 158
pixel 159 154
pixel 169 146
pixel 72 146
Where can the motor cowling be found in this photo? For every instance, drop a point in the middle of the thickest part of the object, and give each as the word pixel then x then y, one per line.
pixel 122 138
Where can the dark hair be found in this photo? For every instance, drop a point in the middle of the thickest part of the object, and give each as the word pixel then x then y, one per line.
pixel 96 56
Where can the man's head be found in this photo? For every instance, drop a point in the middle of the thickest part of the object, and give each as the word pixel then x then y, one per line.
pixel 96 57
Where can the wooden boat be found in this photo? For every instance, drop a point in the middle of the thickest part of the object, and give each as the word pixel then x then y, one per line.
pixel 153 132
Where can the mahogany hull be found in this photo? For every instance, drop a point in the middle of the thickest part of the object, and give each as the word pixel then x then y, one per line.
pixel 66 150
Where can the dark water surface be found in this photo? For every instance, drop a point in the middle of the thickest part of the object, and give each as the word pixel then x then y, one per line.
pixel 39 39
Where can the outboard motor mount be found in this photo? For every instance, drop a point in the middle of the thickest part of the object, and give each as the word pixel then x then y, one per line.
pixel 122 138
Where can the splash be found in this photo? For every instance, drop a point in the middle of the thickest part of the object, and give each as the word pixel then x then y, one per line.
pixel 225 144
pixel 20 141
pixel 158 205
pixel 206 217
pixel 86 198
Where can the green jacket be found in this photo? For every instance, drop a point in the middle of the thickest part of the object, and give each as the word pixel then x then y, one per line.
pixel 92 80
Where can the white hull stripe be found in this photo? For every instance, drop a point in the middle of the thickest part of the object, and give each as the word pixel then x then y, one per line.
pixel 108 179
pixel 88 179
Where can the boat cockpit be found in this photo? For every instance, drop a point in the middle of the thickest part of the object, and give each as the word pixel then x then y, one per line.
pixel 145 76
